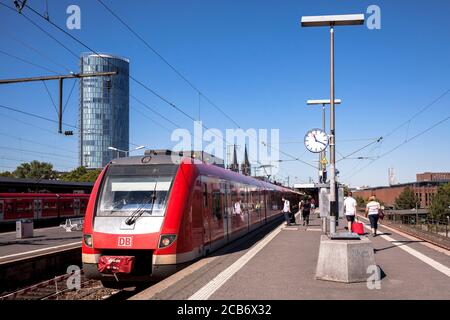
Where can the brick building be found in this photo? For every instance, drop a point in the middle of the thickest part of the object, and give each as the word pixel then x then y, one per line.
pixel 433 176
pixel 425 188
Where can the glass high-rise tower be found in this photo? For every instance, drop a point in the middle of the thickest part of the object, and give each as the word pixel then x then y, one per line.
pixel 104 110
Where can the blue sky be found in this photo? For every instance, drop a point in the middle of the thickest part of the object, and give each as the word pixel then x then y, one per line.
pixel 254 60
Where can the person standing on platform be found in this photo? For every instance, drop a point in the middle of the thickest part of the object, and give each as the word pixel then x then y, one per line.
pixel 372 209
pixel 300 211
pixel 287 211
pixel 350 210
pixel 306 210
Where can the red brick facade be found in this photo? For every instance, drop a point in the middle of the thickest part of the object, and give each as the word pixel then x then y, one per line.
pixel 387 195
pixel 433 176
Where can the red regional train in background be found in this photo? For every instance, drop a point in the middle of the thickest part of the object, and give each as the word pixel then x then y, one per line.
pixel 150 215
pixel 41 206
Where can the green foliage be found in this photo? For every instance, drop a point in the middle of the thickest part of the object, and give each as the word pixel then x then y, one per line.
pixel 346 190
pixel 360 201
pixel 6 174
pixel 81 174
pixel 440 206
pixel 406 200
pixel 35 170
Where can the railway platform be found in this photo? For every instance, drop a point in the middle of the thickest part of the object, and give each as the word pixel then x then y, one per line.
pixel 280 263
pixel 45 240
pixel 48 253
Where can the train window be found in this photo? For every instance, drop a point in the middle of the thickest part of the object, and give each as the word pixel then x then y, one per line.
pixel 126 195
pixel 216 204
pixel 23 206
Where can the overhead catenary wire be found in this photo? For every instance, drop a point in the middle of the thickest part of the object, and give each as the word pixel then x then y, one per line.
pixel 422 110
pixel 403 143
pixel 164 99
pixel 40 28
pixel 171 66
pixel 39 52
pixel 64 156
pixel 29 62
pixel 54 121
pixel 50 95
pixel 143 85
pixel 36 142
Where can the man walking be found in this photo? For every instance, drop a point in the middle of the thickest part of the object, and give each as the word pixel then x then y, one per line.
pixel 287 211
pixel 350 210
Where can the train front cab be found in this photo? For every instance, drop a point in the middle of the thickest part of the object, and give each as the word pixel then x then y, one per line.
pixel 129 215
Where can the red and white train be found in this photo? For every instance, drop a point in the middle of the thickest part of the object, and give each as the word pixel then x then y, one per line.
pixel 41 206
pixel 150 215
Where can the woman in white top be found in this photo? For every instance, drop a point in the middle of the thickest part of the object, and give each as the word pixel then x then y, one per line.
pixel 372 210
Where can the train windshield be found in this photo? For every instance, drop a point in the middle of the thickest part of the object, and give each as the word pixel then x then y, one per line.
pixel 130 189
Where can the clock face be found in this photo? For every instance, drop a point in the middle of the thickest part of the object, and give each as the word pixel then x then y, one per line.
pixel 316 140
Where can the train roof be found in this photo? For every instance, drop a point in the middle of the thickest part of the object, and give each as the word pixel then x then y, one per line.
pixel 43 195
pixel 204 168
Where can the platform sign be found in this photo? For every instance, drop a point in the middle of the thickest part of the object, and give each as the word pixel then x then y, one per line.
pixel 324 202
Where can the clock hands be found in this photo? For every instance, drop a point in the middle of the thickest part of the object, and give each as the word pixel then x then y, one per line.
pixel 314 136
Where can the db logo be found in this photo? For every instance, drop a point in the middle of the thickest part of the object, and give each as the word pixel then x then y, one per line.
pixel 125 241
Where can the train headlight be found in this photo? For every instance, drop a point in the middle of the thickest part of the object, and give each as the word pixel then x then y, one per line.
pixel 88 240
pixel 166 240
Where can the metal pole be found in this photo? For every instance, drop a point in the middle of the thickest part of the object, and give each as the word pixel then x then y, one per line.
pixel 323 167
pixel 333 202
pixel 60 105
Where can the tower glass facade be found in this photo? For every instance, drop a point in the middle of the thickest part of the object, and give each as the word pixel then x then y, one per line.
pixel 104 110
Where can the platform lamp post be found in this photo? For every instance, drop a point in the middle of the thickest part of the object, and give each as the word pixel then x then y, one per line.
pixel 322 155
pixel 332 21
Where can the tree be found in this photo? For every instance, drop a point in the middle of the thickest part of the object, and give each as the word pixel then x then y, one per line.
pixel 35 170
pixel 6 174
pixel 360 201
pixel 406 200
pixel 81 174
pixel 440 205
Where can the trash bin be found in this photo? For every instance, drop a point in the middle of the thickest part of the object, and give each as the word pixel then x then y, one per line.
pixel 24 228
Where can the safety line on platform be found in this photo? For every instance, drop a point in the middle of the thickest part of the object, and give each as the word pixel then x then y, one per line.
pixel 211 287
pixel 400 244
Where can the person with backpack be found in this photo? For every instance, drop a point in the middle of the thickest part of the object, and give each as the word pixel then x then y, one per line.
pixel 306 210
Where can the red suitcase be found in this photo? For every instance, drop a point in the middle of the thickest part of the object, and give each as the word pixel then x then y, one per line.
pixel 357 227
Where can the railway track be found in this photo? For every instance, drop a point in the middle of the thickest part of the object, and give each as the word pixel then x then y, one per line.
pixel 58 289
pixel 414 233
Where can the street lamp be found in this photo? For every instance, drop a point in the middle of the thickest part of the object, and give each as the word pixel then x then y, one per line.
pixel 322 155
pixel 127 152
pixel 331 21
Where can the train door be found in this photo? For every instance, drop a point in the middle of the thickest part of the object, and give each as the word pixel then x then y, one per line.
pixel 227 211
pixel 2 206
pixel 37 208
pixel 206 218
pixel 76 207
pixel 264 199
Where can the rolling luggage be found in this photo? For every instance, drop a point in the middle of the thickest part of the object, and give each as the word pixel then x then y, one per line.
pixel 357 227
